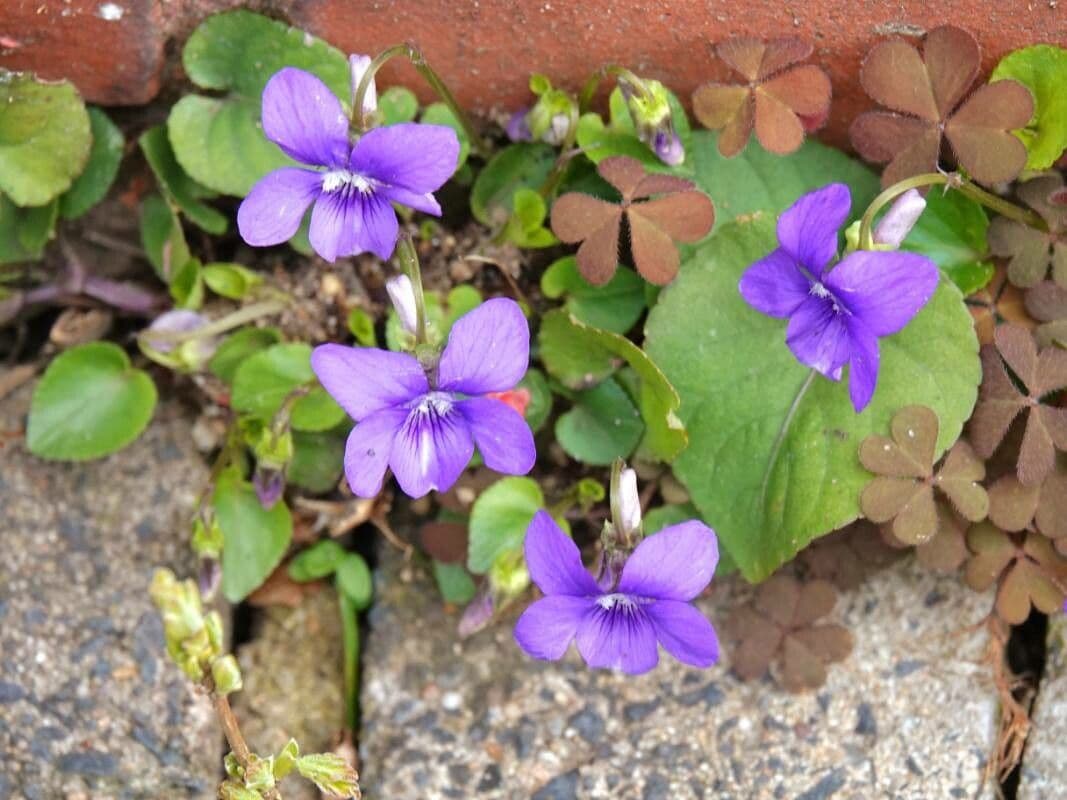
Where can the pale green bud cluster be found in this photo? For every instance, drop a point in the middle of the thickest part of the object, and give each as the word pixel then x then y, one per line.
pixel 554 114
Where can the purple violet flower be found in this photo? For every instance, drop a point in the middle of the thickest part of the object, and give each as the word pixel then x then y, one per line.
pixel 517 128
pixel 425 429
pixel 354 185
pixel 836 316
pixel 619 627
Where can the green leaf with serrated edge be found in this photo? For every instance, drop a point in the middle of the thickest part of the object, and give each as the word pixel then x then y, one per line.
pixel 354 579
pixel 499 519
pixel 580 355
pixel 603 425
pixel 440 114
pixel 397 104
pixel 90 402
pixel 317 561
pixel 1043 70
pixel 176 184
pixel 187 286
pixel 772 462
pixel 952 233
pixel 237 52
pixel 233 281
pixel 45 138
pixel 454 583
pixel 92 185
pixel 756 180
pixel 162 238
pixel 254 538
pixel 317 462
pixel 265 380
pixel 615 306
pixel 517 166
pixel 238 347
pixel 540 405
pixel 24 232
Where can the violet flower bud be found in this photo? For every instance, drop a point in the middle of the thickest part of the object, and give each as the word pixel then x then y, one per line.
pixel 629 502
pixel 667 146
pixel 893 228
pixel 402 293
pixel 269 484
pixel 477 614
pixel 517 128
pixel 357 67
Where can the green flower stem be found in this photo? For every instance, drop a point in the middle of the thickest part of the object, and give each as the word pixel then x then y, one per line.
pixel 414 55
pixel 612 71
pixel 409 265
pixel 952 180
pixel 221 325
pixel 350 634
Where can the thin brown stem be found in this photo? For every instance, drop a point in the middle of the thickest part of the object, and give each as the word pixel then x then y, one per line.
pixel 235 739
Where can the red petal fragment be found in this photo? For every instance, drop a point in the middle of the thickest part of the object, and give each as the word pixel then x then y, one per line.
pixel 716 105
pixel 780 53
pixel 777 126
pixel 655 255
pixel 805 89
pixel 952 59
pixel 894 75
pixel 744 54
pixel 684 217
pixel 576 216
pixel 980 132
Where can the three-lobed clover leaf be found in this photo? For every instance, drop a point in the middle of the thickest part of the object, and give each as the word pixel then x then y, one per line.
pixel 779 625
pixel 845 557
pixel 1026 568
pixel 1001 400
pixel 903 490
pixel 1047 303
pixel 659 210
pixel 1014 507
pixel 1031 251
pixel 925 97
pixel 1000 301
pixel 780 99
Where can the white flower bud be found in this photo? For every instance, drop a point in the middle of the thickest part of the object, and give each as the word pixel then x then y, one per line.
pixel 402 294
pixel 357 66
pixel 629 502
pixel 893 228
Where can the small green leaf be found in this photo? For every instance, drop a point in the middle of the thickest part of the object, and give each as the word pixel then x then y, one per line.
pixel 397 104
pixel 187 286
pixel 354 579
pixel 772 463
pixel 499 519
pixel 254 538
pixel 952 233
pixel 24 232
pixel 317 461
pixel 540 405
pixel 90 402
pixel 316 411
pixel 238 347
pixel 266 379
pixel 524 165
pixel 454 582
pixel 317 561
pixel 236 53
pixel 1043 70
pixel 526 226
pixel 440 114
pixel 461 300
pixel 45 138
pixel 162 237
pixel 361 326
pixel 614 307
pixel 602 426
pixel 176 185
pixel 92 185
pixel 580 355
pixel 230 280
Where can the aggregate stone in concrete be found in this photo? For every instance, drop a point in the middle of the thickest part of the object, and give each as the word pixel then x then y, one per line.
pixel 909 716
pixel 1044 769
pixel 89 705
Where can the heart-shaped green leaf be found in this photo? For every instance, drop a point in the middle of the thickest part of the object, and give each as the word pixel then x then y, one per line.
pixel 1043 70
pixel 952 233
pixel 254 538
pixel 89 403
pixel 772 462
pixel 614 307
pixel 182 190
pixel 91 186
pixel 602 426
pixel 499 520
pixel 24 232
pixel 519 166
pixel 266 380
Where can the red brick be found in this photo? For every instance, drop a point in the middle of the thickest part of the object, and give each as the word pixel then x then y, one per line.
pixel 111 49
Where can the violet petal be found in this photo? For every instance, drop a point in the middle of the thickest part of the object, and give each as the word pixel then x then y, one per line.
pixel 368 449
pixel 674 564
pixel 365 379
pixel 432 448
pixel 553 560
pixel 808 228
pixel 548 626
pixel 684 632
pixel 272 211
pixel 501 434
pixel 488 349
pixel 621 637
pixel 774 285
pixel 305 119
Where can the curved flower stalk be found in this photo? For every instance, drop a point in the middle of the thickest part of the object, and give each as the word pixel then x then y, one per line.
pixel 351 186
pixel 837 315
pixel 425 423
pixel 618 627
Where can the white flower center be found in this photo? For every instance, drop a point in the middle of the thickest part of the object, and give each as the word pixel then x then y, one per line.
pixel 610 601
pixel 819 290
pixel 344 180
